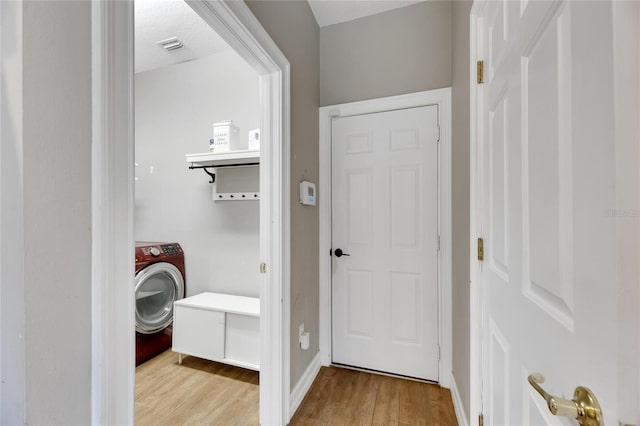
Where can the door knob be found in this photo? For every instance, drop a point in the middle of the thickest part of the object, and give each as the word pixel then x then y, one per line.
pixel 584 406
pixel 339 253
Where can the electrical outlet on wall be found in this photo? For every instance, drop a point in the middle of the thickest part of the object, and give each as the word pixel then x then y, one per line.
pixel 303 337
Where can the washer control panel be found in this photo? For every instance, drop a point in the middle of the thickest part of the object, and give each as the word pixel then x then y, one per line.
pixel 160 251
pixel 170 249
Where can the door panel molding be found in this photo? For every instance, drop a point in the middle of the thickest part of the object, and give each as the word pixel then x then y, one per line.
pixel 442 98
pixel 554 277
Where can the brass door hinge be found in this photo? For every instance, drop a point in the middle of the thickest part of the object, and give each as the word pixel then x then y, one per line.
pixel 263 268
pixel 480 71
pixel 480 249
pixel 481 420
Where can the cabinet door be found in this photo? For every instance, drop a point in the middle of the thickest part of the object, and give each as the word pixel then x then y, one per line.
pixel 243 339
pixel 199 332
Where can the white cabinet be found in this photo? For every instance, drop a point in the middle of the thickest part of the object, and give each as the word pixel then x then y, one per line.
pixel 200 332
pixel 218 327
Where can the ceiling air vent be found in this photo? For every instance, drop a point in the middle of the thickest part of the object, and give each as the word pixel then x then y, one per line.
pixel 170 44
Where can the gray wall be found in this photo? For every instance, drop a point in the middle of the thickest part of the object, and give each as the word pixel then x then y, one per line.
pixel 460 198
pixel 57 211
pixel 292 26
pixel 420 47
pixel 401 51
pixel 175 109
pixel 626 65
pixel 46 237
pixel 12 344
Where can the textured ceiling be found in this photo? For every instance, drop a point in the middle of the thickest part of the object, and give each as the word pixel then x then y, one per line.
pixel 157 20
pixel 329 12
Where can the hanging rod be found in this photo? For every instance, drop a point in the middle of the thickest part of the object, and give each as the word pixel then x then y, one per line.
pixel 212 175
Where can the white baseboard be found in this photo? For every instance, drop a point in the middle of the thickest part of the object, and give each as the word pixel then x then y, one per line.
pixel 457 403
pixel 304 384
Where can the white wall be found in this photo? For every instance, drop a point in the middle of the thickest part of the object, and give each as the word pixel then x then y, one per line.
pixel 175 109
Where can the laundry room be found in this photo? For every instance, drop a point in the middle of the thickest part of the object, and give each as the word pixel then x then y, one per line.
pixel 197 207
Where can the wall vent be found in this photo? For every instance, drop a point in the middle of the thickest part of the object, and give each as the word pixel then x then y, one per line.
pixel 170 44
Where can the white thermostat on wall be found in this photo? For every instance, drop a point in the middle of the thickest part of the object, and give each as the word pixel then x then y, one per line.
pixel 307 193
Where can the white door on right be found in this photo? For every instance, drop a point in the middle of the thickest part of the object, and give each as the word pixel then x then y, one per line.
pixel 547 179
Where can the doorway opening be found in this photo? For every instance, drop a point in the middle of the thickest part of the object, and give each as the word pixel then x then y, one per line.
pixel 113 184
pixel 197 100
pixel 329 115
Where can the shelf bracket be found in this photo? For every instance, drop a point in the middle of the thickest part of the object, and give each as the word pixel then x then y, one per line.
pixel 212 175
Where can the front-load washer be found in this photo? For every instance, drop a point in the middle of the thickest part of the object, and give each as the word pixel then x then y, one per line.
pixel 160 280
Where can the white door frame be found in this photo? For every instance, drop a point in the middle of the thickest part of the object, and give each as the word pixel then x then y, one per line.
pixel 442 98
pixel 113 370
pixel 475 296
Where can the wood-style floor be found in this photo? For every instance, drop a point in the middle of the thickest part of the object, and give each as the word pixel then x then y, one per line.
pixel 346 397
pixel 198 392
pixel 201 392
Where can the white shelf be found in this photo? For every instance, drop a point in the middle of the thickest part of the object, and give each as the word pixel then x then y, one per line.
pixel 213 160
pixel 228 159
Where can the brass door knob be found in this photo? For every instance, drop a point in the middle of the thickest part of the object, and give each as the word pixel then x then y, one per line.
pixel 584 406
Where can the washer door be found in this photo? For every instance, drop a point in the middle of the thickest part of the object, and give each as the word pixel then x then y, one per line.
pixel 157 287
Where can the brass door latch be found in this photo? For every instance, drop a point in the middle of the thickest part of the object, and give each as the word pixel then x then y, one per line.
pixel 584 406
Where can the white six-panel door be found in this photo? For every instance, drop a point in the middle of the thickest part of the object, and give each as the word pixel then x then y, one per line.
pixel 546 163
pixel 384 216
